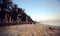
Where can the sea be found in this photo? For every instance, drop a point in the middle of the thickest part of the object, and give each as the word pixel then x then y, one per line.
pixel 54 23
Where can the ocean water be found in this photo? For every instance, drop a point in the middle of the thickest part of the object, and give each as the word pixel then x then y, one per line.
pixel 52 23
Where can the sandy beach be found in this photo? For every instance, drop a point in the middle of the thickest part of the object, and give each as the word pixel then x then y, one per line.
pixel 30 30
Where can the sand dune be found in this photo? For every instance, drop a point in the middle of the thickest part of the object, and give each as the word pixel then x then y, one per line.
pixel 30 30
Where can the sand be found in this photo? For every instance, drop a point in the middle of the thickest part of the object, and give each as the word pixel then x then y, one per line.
pixel 30 30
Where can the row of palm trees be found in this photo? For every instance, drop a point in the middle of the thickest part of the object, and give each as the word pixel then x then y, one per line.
pixel 10 13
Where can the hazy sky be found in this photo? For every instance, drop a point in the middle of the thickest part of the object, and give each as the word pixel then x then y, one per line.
pixel 41 10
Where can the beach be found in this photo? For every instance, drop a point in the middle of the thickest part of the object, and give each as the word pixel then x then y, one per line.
pixel 30 30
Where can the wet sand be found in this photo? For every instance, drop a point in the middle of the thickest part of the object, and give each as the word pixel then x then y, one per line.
pixel 30 30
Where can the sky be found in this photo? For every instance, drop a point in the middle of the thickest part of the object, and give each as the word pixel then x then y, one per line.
pixel 41 10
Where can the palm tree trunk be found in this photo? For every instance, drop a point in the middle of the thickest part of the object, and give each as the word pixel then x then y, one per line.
pixel 10 20
pixel 6 19
pixel 17 20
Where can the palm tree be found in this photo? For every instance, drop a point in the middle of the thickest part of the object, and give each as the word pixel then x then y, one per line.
pixel 5 7
pixel 14 13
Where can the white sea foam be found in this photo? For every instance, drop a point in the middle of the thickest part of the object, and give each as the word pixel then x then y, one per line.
pixel 52 23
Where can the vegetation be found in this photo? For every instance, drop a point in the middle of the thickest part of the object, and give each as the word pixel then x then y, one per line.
pixel 11 14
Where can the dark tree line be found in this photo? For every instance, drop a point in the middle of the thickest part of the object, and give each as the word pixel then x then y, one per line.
pixel 10 11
